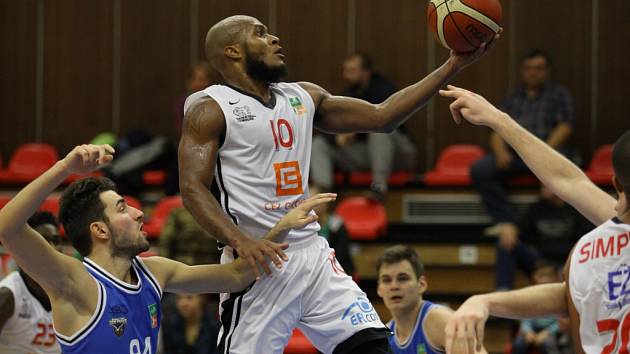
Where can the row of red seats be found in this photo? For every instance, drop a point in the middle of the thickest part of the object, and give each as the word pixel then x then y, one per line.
pixel 452 168
pixel 31 160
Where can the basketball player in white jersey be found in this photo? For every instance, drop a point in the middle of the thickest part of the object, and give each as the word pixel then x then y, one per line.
pixel 110 302
pixel 252 136
pixel 26 325
pixel 596 293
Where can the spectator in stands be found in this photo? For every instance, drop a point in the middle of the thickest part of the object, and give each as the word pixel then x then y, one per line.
pixel 379 153
pixel 192 329
pixel 549 228
pixel 334 230
pixel 183 240
pixel 543 335
pixel 418 324
pixel 540 106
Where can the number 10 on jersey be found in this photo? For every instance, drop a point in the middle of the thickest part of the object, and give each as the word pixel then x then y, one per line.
pixel 282 133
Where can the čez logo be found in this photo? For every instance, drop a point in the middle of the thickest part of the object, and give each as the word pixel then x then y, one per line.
pixel 360 311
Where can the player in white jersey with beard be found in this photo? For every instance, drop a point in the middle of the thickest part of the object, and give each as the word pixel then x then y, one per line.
pixel 252 136
pixel 597 297
pixel 26 325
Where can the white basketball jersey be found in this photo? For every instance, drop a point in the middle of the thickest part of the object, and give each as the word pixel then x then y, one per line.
pixel 263 163
pixel 30 328
pixel 599 281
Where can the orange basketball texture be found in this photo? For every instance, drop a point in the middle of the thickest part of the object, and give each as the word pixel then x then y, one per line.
pixel 462 25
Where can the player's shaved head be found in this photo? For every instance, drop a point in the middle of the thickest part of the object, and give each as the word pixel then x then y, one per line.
pixel 229 31
pixel 621 161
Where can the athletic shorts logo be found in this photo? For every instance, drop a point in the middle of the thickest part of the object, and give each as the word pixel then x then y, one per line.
pixel 118 325
pixel 153 315
pixel 359 312
pixel 234 102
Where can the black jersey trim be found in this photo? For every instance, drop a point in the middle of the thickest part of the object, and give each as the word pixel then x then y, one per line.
pixel 147 273
pixel 226 197
pixel 272 100
pixel 126 287
pixel 92 323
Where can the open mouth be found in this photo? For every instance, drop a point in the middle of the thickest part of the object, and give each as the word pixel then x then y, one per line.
pixel 396 298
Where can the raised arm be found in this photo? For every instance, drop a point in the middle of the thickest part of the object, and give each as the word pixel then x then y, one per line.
pixel 338 114
pixel 203 130
pixel 465 329
pixel 215 278
pixel 57 273
pixel 559 174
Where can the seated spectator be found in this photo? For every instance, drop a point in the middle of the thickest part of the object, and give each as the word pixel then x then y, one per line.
pixel 376 152
pixel 193 329
pixel 549 229
pixel 543 335
pixel 538 105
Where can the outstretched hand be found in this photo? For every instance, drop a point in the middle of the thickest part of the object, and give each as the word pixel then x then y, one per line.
pixel 465 329
pixel 257 252
pixel 87 158
pixel 470 106
pixel 461 60
pixel 301 215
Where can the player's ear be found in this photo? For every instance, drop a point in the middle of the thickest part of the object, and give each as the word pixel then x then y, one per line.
pixel 233 52
pixel 99 229
pixel 617 185
pixel 422 280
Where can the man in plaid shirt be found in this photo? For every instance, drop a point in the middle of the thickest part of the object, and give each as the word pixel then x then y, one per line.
pixel 540 106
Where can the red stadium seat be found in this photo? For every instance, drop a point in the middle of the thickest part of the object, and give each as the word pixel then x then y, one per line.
pixel 397 178
pixel 154 177
pixel 299 344
pixel 523 181
pixel 364 219
pixel 600 170
pixel 51 205
pixel 28 162
pixel 4 199
pixel 453 166
pixel 153 227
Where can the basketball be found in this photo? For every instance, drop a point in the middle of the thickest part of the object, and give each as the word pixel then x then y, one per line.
pixel 462 25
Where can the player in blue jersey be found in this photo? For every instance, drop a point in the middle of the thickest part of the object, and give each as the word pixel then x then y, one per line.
pixel 110 303
pixel 418 325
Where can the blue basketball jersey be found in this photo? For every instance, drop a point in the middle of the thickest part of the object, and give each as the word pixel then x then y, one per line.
pixel 127 317
pixel 417 343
